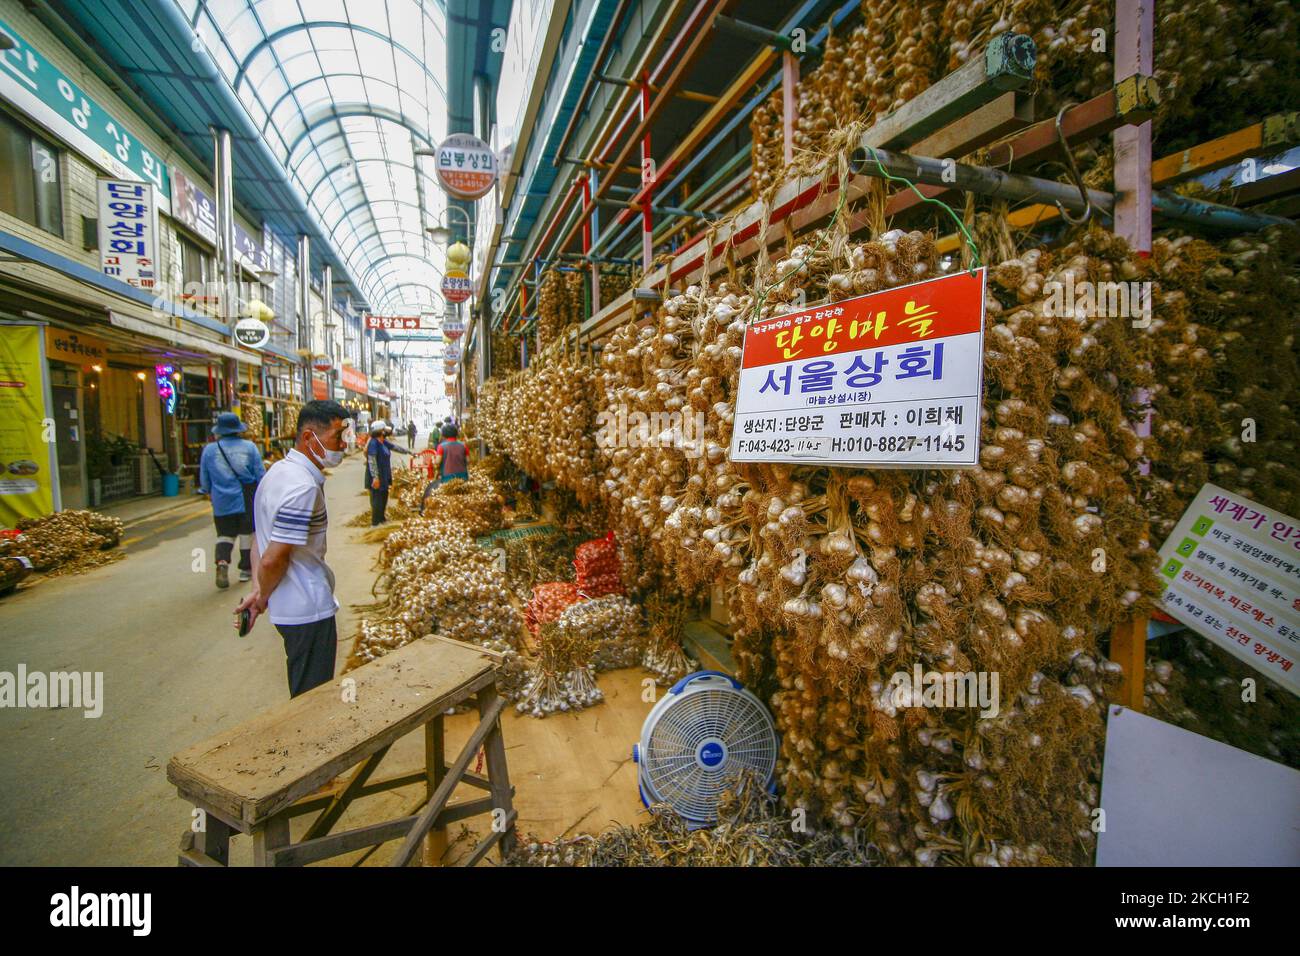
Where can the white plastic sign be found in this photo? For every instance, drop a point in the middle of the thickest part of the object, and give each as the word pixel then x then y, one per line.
pixel 1231 572
pixel 465 166
pixel 893 379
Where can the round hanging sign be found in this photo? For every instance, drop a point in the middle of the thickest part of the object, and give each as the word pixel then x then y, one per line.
pixel 456 288
pixel 253 333
pixel 466 166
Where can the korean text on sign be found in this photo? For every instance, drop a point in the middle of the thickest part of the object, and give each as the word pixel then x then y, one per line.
pixel 898 374
pixel 1231 572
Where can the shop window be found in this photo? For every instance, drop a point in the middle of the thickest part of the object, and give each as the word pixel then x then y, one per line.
pixel 31 188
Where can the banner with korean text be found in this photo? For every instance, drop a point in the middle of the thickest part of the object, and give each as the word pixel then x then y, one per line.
pixel 128 232
pixel 893 379
pixel 1231 572
pixel 28 467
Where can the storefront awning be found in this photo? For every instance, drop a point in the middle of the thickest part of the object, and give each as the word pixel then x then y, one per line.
pixel 184 339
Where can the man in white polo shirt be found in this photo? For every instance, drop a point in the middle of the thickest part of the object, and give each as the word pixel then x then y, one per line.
pixel 291 581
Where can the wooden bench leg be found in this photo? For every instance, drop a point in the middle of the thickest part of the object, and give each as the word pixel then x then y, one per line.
pixel 435 768
pixel 503 813
pixel 268 836
pixel 208 847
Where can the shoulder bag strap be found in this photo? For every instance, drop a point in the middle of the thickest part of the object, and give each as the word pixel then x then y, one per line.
pixel 231 466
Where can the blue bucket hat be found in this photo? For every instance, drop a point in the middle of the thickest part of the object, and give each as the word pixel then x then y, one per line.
pixel 228 423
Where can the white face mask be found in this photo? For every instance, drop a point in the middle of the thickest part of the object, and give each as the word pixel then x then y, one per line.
pixel 328 459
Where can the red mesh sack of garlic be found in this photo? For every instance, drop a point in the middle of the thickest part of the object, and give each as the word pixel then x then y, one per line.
pixel 599 570
pixel 548 603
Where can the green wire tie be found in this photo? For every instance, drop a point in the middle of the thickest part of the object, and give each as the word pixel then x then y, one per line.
pixel 961 226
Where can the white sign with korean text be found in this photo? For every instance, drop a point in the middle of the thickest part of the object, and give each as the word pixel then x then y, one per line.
pixel 128 232
pixel 893 379
pixel 1231 572
pixel 465 166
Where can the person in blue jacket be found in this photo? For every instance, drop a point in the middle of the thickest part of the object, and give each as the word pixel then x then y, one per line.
pixel 229 470
pixel 379 469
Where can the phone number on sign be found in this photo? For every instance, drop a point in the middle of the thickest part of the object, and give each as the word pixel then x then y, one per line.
pixel 848 445
pixel 899 443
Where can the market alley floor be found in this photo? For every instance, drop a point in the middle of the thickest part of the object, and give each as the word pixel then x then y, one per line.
pixel 92 791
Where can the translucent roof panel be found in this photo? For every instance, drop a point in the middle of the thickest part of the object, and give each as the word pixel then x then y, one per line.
pixel 344 92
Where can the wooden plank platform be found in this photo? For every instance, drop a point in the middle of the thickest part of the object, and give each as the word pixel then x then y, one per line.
pixel 249 773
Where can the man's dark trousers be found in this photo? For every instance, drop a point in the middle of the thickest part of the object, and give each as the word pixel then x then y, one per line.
pixel 310 650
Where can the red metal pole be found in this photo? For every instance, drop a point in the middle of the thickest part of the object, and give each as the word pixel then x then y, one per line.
pixel 647 182
pixel 587 207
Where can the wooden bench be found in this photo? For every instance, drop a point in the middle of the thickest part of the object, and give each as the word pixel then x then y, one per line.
pixel 256 777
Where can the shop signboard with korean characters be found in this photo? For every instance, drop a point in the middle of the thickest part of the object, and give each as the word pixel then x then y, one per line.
pixel 1231 572
pixel 452 329
pixel 355 380
pixel 456 287
pixel 34 85
pixel 252 332
pixel 893 379
pixel 405 323
pixel 465 166
pixel 128 232
pixel 194 208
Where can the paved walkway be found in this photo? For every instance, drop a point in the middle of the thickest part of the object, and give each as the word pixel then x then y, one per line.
pixel 76 790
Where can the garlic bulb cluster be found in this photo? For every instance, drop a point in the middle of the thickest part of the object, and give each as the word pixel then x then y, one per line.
pixel 559 303
pixel 613 284
pixel 506 357
pixel 561 677
pixel 662 654
pixel 252 414
pixel 614 626
pixel 1212 78
pixel 446 585
pixel 65 542
pixel 543 419
pixel 475 506
pixel 435 579
pixel 1224 409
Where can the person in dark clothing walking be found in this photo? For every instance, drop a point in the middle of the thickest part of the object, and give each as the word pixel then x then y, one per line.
pixel 410 433
pixel 379 469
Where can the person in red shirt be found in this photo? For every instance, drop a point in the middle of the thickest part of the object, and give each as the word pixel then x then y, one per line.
pixel 451 460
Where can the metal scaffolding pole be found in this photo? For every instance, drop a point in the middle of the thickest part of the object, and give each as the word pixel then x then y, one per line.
pixel 304 313
pixel 327 319
pixel 924 170
pixel 228 296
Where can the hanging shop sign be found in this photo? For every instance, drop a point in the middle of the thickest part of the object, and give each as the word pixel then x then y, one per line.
pixel 322 364
pixel 320 388
pixel 406 322
pixel 1231 572
pixel 45 93
pixel 452 329
pixel 465 166
pixel 74 348
pixel 251 332
pixel 194 207
pixel 888 380
pixel 28 468
pixel 128 232
pixel 451 352
pixel 456 287
pixel 355 380
pixel 164 378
